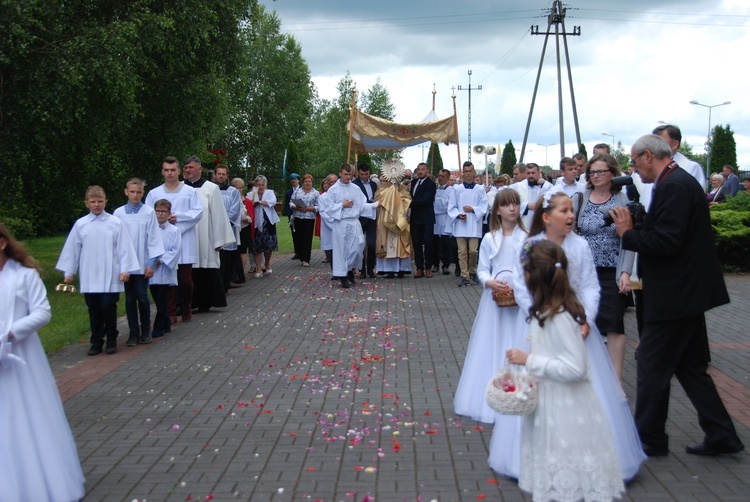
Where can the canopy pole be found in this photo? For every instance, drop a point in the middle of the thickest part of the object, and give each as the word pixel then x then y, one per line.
pixel 352 111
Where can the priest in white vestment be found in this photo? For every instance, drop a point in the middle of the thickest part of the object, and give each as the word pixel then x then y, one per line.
pixel 213 232
pixel 530 189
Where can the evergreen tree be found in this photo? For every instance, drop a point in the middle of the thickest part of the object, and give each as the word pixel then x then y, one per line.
pixel 508 159
pixel 434 159
pixel 723 148
pixel 582 151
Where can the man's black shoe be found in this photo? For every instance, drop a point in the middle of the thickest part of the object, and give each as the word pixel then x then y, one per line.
pixel 434 268
pixel 295 257
pixel 132 341
pixel 110 350
pixel 146 339
pixel 350 276
pixel 727 446
pixel 371 274
pixel 651 451
pixel 345 283
pixel 93 351
pixel 457 272
pixel 464 283
pixel 446 271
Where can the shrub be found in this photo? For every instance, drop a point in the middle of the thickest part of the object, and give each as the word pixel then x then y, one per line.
pixel 732 233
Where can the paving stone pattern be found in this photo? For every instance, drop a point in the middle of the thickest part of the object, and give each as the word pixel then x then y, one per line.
pixel 299 390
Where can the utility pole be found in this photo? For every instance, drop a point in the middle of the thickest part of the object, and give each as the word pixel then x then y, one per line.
pixel 477 88
pixel 555 18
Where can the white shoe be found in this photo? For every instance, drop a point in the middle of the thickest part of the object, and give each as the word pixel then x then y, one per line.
pixel 259 274
pixel 269 271
pixel 305 264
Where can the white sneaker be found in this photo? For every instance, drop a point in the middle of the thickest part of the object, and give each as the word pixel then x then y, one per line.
pixel 305 264
pixel 269 271
pixel 259 274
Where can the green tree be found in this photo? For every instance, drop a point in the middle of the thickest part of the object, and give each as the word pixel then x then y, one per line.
pixel 96 92
pixel 376 101
pixel 582 151
pixel 508 159
pixel 273 99
pixel 434 159
pixel 325 141
pixel 723 148
pixel 622 158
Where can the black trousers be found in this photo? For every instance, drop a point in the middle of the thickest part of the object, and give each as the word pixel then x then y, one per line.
pixel 677 347
pixel 162 323
pixel 441 250
pixel 369 228
pixel 208 288
pixel 228 266
pixel 421 240
pixel 303 231
pixel 103 318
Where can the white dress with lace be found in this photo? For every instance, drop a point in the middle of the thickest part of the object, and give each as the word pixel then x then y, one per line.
pixel 567 445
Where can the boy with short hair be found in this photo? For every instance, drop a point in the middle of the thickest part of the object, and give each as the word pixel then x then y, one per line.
pixel 99 248
pixel 140 221
pixel 165 268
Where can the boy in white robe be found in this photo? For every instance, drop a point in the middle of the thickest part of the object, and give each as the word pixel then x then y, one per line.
pixel 467 205
pixel 341 208
pixel 164 279
pixel 140 221
pixel 187 211
pixel 98 247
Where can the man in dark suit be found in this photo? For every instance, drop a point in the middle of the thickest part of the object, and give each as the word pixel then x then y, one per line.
pixel 368 225
pixel 422 220
pixel 682 279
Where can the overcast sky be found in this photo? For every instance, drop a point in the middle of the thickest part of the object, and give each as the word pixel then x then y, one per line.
pixel 636 63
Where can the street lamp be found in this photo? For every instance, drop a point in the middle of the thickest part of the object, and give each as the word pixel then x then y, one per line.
pixel 545 152
pixel 708 136
pixel 613 140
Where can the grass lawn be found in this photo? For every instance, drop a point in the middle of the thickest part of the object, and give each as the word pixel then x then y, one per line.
pixel 70 319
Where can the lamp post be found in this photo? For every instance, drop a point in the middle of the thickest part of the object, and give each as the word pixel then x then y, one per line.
pixel 613 140
pixel 545 151
pixel 708 136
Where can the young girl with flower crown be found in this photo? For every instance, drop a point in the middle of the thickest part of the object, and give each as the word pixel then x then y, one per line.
pixel 554 221
pixel 494 328
pixel 567 446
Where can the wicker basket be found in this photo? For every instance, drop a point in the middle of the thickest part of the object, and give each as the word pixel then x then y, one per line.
pixel 507 299
pixel 512 392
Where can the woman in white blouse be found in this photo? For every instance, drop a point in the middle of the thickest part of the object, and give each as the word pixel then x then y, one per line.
pixel 304 203
pixel 265 240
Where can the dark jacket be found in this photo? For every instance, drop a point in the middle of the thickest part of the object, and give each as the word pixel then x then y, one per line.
pixel 422 202
pixel 677 258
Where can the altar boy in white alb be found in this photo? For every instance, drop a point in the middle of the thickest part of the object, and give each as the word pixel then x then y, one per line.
pixel 140 221
pixel 342 206
pixel 187 211
pixel 99 250
pixel 467 205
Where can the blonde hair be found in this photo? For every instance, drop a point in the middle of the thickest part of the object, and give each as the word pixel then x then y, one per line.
pixel 95 191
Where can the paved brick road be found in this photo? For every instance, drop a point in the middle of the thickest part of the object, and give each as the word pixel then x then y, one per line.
pixel 301 391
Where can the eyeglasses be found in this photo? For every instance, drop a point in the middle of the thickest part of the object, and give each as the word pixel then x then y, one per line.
pixel 598 173
pixel 632 161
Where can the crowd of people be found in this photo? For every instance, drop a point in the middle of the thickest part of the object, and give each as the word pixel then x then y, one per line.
pixel 569 253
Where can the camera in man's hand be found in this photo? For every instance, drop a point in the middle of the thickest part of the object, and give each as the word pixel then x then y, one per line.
pixel 637 211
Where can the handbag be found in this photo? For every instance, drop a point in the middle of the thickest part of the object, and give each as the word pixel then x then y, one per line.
pixel 512 391
pixel 506 299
